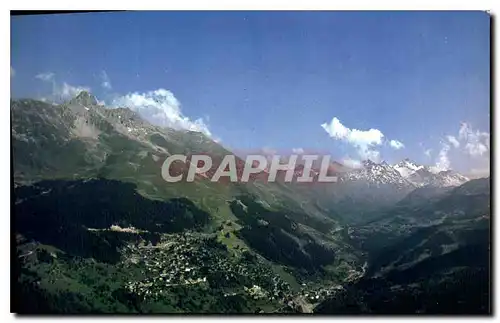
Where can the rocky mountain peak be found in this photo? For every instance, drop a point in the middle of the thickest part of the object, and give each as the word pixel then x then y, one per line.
pixel 368 163
pixel 406 167
pixel 420 175
pixel 375 173
pixel 85 98
pixel 405 173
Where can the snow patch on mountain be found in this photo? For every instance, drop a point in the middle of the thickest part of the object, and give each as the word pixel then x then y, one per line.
pixel 407 167
pixel 403 174
pixel 375 173
pixel 421 175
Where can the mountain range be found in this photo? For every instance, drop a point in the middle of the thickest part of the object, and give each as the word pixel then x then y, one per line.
pixel 98 229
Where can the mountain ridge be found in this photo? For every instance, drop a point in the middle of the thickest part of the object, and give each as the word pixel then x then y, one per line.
pixel 95 173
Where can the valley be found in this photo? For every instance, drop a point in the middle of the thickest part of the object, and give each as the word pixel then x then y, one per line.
pixel 98 230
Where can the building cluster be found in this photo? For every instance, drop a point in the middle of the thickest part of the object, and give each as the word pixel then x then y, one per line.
pixel 197 259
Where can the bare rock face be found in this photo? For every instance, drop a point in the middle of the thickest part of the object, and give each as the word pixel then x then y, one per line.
pixel 85 98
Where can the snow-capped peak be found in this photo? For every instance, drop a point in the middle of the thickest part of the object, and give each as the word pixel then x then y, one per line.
pixel 451 178
pixel 406 167
pixel 375 173
pixel 406 173
pixel 420 175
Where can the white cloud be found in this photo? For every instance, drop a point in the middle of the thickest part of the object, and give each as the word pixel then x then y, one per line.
pixel 159 107
pixel 396 144
pixel 162 108
pixel 453 141
pixel 373 155
pixel 359 137
pixel 44 99
pixel 443 161
pixel 427 152
pixel 60 92
pixel 298 151
pixel 67 91
pixel 269 151
pixel 353 163
pixel 46 77
pixel 477 149
pixel 363 140
pixel 477 143
pixel 105 81
pixel 12 72
pixel 473 156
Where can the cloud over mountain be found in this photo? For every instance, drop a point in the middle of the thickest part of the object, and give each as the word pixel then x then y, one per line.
pixel 48 76
pixel 352 163
pixel 396 144
pixel 471 145
pixel 162 108
pixel 443 161
pixel 453 141
pixel 159 107
pixel 364 141
pixel 105 81
pixel 477 143
pixel 60 91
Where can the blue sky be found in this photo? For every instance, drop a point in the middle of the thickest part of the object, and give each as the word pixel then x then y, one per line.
pixel 271 80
